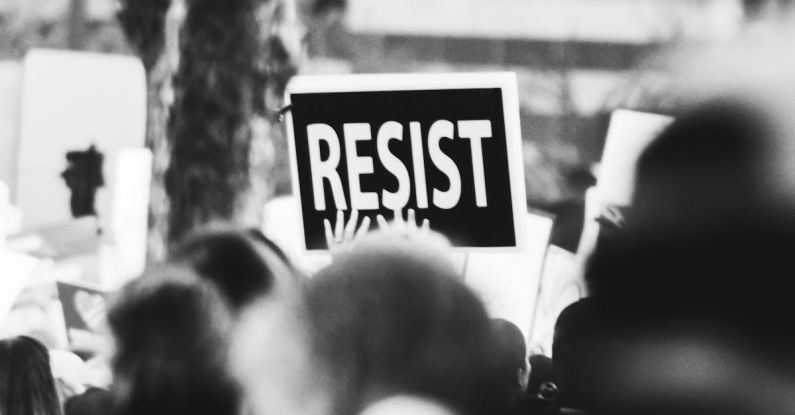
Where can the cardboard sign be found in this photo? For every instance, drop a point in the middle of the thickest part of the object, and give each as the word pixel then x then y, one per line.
pixel 79 111
pixel 561 284
pixel 446 145
pixel 629 134
pixel 84 310
pixel 507 282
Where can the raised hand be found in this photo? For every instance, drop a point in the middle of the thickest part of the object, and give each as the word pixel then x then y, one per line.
pixel 398 224
pixel 343 234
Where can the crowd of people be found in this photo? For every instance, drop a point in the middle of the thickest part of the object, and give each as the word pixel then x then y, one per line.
pixel 689 310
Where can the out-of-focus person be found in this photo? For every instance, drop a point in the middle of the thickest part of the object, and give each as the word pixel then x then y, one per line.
pixel 243 263
pixel 27 386
pixel 690 308
pixel 94 401
pixel 171 331
pixel 389 317
pixel 512 352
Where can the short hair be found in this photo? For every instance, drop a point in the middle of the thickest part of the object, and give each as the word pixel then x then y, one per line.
pixel 171 330
pixel 390 319
pixel 26 382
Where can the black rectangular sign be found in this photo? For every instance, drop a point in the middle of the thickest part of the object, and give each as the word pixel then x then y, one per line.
pixel 452 154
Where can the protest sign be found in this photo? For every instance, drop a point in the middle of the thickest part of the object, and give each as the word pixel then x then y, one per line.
pixel 78 111
pixel 629 134
pixel 84 310
pixel 446 145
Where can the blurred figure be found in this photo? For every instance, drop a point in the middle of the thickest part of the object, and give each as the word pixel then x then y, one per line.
pixel 171 330
pixel 243 264
pixel 271 357
pixel 690 294
pixel 512 352
pixel 390 318
pixel 27 386
pixel 94 401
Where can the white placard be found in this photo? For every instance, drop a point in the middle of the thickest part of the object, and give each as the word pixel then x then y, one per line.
pixel 629 134
pixel 508 282
pixel 130 215
pixel 71 100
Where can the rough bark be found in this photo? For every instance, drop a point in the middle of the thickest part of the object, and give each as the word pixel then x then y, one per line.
pixel 151 27
pixel 219 82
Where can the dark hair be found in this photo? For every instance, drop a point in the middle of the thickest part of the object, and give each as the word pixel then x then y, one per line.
pixel 27 386
pixel 94 401
pixel 709 235
pixel 511 349
pixel 389 320
pixel 706 169
pixel 171 330
pixel 244 264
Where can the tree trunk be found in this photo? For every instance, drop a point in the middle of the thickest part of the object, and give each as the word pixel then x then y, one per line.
pixel 218 85
pixel 152 28
pixel 76 21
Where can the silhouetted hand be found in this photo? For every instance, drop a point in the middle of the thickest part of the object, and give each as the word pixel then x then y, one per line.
pixel 343 234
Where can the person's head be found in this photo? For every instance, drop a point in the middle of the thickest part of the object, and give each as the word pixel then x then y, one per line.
pixel 512 353
pixel 391 318
pixel 271 357
pixel 244 264
pixel 26 383
pixel 703 258
pixel 711 166
pixel 171 331
pixel 704 188
pixel 94 401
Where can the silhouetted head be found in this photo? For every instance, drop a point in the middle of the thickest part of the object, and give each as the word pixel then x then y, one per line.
pixel 244 264
pixel 94 401
pixel 710 167
pixel 26 383
pixel 702 263
pixel 389 318
pixel 512 352
pixel 171 331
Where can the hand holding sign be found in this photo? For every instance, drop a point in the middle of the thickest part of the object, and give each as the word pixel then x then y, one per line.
pixel 342 237
pixel 399 225
pixel 344 234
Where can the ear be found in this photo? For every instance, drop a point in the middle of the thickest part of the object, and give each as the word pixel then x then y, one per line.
pixel 522 377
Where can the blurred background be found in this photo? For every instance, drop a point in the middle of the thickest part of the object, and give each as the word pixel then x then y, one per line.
pixel 576 59
pixel 167 111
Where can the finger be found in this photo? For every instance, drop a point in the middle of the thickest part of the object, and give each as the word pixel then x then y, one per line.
pixel 382 223
pixel 426 225
pixel 338 226
pixel 350 227
pixel 411 219
pixel 364 228
pixel 398 221
pixel 329 234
